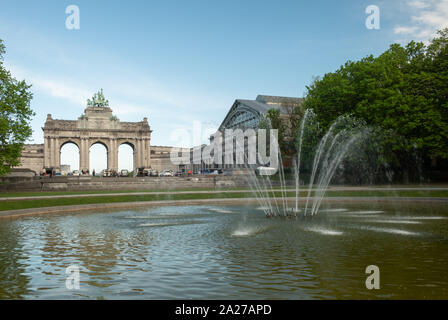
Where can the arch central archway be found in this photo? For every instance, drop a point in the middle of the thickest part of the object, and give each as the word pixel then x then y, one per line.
pixel 98 157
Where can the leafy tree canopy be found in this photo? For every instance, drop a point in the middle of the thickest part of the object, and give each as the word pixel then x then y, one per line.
pixel 15 116
pixel 404 90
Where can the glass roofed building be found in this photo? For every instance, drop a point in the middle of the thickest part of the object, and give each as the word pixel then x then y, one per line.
pixel 244 114
pixel 247 113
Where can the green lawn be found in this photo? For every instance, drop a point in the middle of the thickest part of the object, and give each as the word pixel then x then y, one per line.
pixel 37 203
pixel 63 193
pixel 99 192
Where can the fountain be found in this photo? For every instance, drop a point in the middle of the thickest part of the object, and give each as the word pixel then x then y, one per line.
pixel 341 137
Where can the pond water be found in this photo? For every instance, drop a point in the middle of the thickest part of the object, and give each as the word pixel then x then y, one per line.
pixel 228 252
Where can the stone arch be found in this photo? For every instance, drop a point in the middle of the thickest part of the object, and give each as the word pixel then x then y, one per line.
pixel 64 142
pixel 96 125
pixel 70 140
pixel 134 151
pixel 128 142
pixel 100 141
pixel 109 153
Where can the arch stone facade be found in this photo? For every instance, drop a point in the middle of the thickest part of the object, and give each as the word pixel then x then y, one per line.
pixel 96 125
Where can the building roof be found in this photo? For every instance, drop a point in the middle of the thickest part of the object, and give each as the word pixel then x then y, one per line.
pixel 257 106
pixel 260 106
pixel 279 100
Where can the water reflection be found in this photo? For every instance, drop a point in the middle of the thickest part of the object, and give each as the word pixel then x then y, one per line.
pixel 211 252
pixel 14 279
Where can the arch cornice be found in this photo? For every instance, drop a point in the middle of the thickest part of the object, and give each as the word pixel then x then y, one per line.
pixel 64 141
pixel 129 142
pixel 104 142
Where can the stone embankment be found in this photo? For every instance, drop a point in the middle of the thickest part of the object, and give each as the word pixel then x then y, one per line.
pixel 62 183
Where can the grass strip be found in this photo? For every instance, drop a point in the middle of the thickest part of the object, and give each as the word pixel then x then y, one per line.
pixel 38 203
pixel 118 192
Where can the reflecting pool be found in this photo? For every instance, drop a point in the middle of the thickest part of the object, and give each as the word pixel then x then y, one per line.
pixel 229 252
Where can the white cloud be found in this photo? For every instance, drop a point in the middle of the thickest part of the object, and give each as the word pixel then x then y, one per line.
pixel 404 30
pixel 57 88
pixel 123 108
pixel 427 16
pixel 141 96
pixel 74 92
pixel 132 96
pixel 419 4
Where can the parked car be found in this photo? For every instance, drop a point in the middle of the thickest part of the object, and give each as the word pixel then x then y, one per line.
pixel 142 172
pixel 266 171
pixel 153 173
pixel 178 174
pixel 124 173
pixel 166 173
pixel 110 173
pixel 76 173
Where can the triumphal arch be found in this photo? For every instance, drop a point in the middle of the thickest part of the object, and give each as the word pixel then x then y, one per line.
pixel 96 125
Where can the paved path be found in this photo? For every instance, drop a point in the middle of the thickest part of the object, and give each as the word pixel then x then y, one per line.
pixel 125 205
pixel 302 189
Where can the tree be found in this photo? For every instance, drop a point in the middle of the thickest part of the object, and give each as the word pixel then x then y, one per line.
pixel 15 115
pixel 403 91
pixel 287 126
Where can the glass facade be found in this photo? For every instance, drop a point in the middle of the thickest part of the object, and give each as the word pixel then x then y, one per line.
pixel 242 120
pixel 242 117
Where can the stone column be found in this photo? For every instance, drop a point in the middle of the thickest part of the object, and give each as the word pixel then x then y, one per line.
pixel 142 153
pixel 84 155
pixel 112 155
pixel 116 154
pixel 47 153
pixel 110 158
pixel 53 153
pixel 139 152
pixel 141 147
pixel 81 154
pixel 136 154
pixel 146 155
pixel 50 153
pixel 149 152
pixel 57 154
pixel 134 158
pixel 87 154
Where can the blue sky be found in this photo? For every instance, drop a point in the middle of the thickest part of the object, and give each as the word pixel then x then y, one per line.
pixel 177 62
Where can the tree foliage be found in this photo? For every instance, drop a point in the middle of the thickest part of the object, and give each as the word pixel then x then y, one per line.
pixel 15 116
pixel 287 125
pixel 403 91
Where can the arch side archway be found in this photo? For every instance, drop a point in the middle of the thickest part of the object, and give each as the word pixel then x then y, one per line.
pixel 69 156
pixel 126 149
